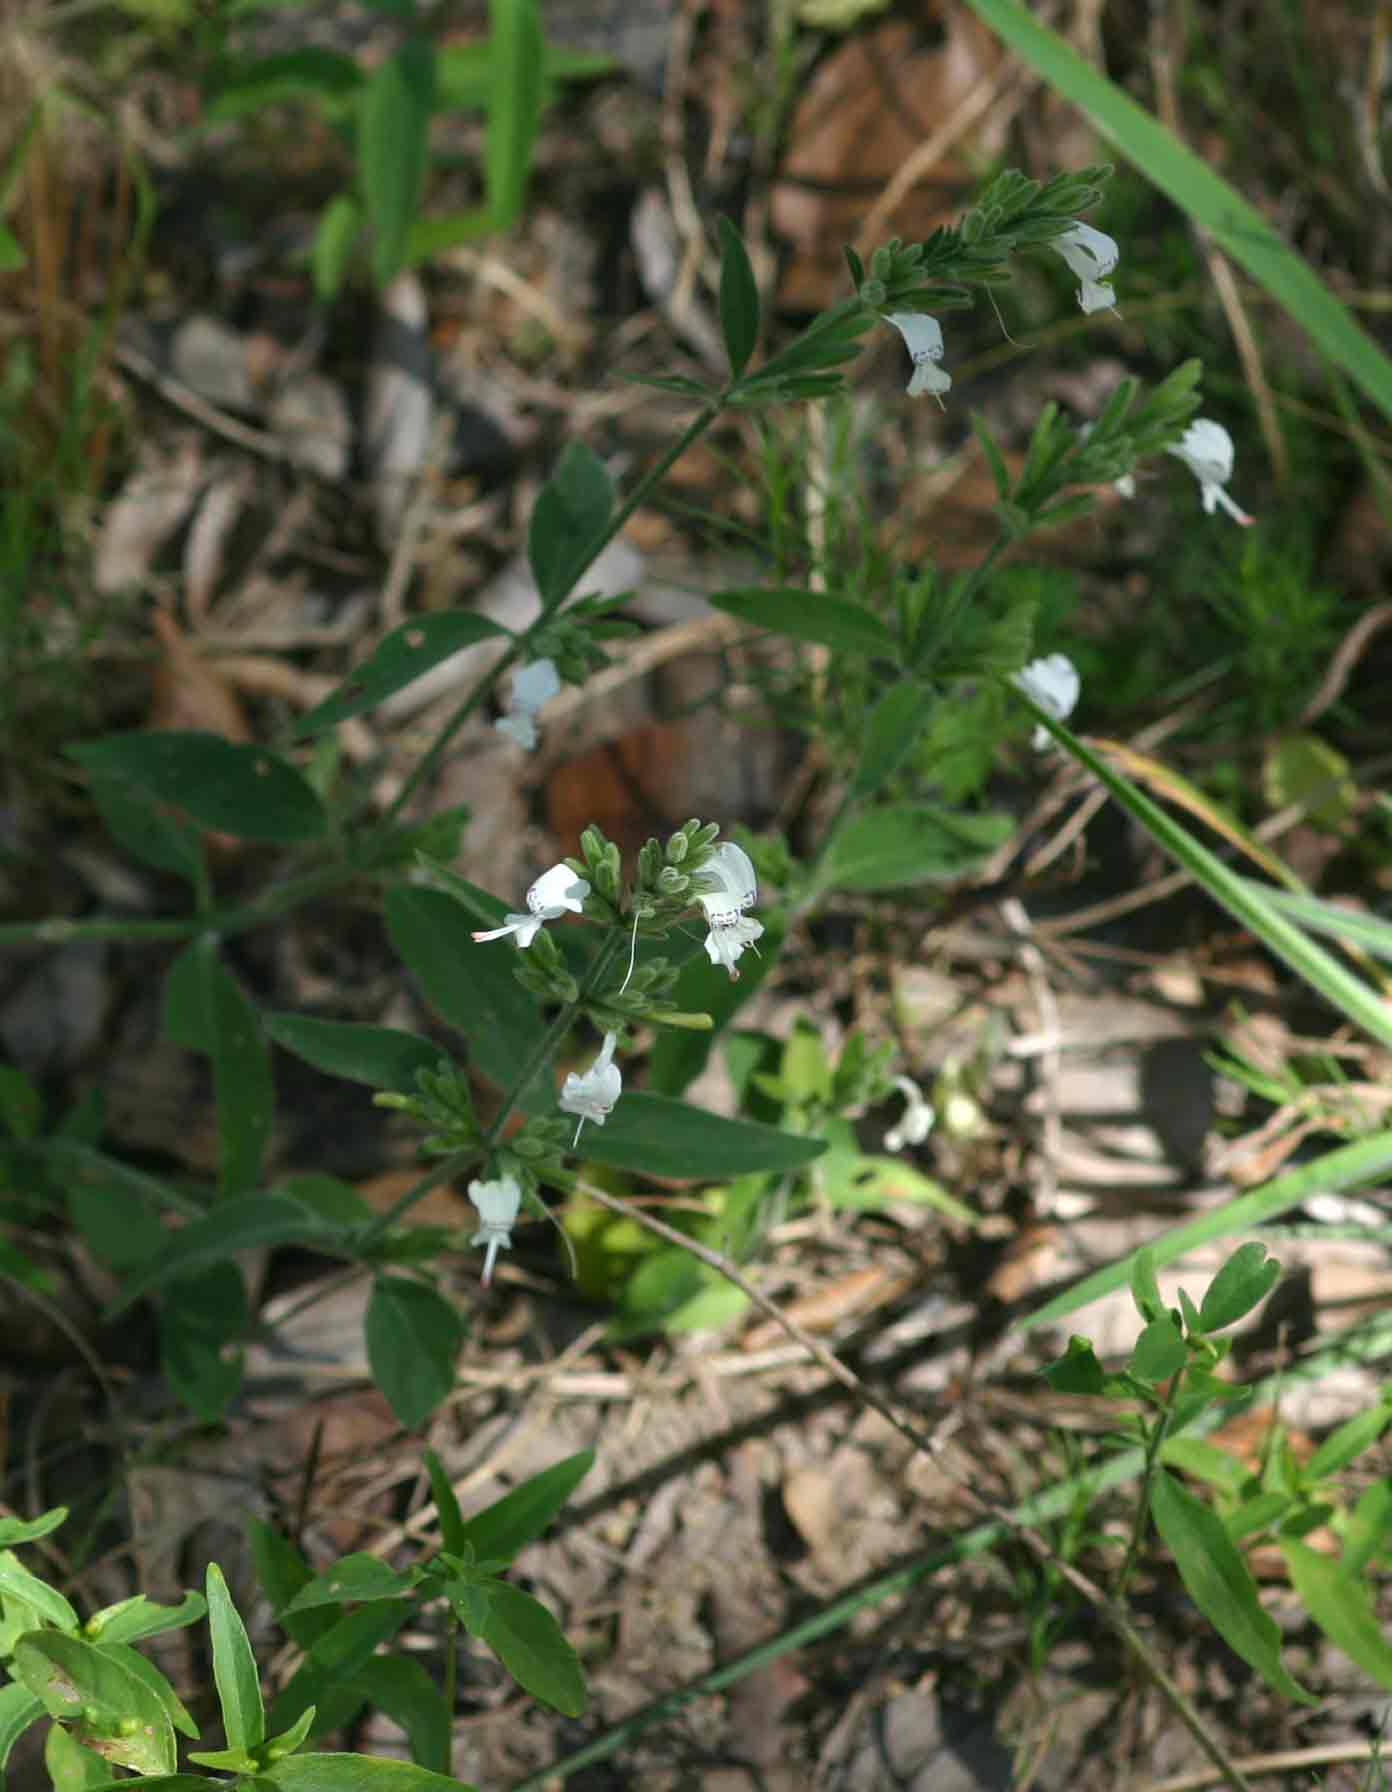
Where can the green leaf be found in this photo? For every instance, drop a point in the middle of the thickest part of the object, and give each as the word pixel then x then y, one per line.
pixel 1348 1442
pixel 398 659
pixel 1342 1606
pixel 1077 1371
pixel 393 148
pixel 516 92
pixel 569 521
pixel 1160 1351
pixel 135 1663
pixel 21 1105
pixel 399 1687
pixel 679 1055
pixel 664 1137
pixel 234 1668
pixel 116 1222
pixel 203 1313
pixel 1218 1582
pixel 282 1571
pixel 149 832
pixel 470 985
pixel 16 1582
pixel 88 1688
pixel 358 1773
pixel 1246 1278
pixel 29 1530
pixel 809 616
pixel 502 1529
pixel 335 238
pixel 71 1767
pixel 326 1677
pixel 1366 1535
pixel 241 1072
pixel 892 730
pixel 413 1336
pixel 310 73
pixel 1145 1289
pixel 739 298
pixel 382 1057
pixel 256 1222
pixel 353 1578
pixel 131 1619
pixel 446 1505
pixel 240 790
pixel 909 843
pixel 528 1641
pixel 12 256
pixel 1218 208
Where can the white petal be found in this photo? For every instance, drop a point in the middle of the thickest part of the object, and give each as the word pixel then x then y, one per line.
pixel 592 1095
pixel 1090 253
pixel 916 1122
pixel 1206 449
pixel 731 870
pixel 924 339
pixel 1053 683
pixel 1096 295
pixel 728 937
pixel 497 1202
pixel 535 685
pixel 520 727
pixel 557 891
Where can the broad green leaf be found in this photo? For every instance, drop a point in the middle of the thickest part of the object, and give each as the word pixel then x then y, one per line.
pixel 393 131
pixel 517 65
pixel 470 984
pixel 413 1336
pixel 891 732
pixel 1245 1279
pixel 528 1641
pixel 909 843
pixel 861 1181
pixel 143 1669
pixel 282 1571
pixel 335 239
pixel 1351 1439
pixel 739 298
pixel 399 1686
pixel 1159 1352
pixel 325 1678
pixel 1217 1580
pixel 1077 1371
pixel 131 1619
pixel 672 1291
pixel 382 1057
pixel 1236 226
pixel 312 73
pixel 83 1685
pixel 234 1668
pixel 147 830
pixel 1366 1536
pixel 240 790
pixel 1350 1166
pixel 502 1529
pixel 569 522
pixel 358 1773
pixel 71 1767
pixel 664 1137
pixel 203 1318
pixel 16 1582
pixel 1207 1462
pixel 398 659
pixel 809 616
pixel 256 1222
pixel 446 1505
pixel 1145 1288
pixel 29 1530
pixel 117 1223
pixel 1342 1606
pixel 352 1578
pixel 337 1203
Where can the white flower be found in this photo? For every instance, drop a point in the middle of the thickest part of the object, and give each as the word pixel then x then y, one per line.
pixel 1053 684
pixel 497 1204
pixel 555 893
pixel 923 338
pixel 533 687
pixel 737 889
pixel 592 1096
pixel 1091 255
pixel 1206 449
pixel 917 1120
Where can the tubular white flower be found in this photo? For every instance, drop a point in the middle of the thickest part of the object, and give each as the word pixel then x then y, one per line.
pixel 1053 683
pixel 917 1120
pixel 923 338
pixel 497 1204
pixel 736 888
pixel 533 687
pixel 1091 255
pixel 1206 449
pixel 592 1096
pixel 555 893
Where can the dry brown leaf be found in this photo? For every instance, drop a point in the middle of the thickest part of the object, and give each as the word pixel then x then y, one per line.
pixel 185 691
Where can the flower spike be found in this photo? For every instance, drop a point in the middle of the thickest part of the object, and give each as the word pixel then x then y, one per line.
pixel 555 893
